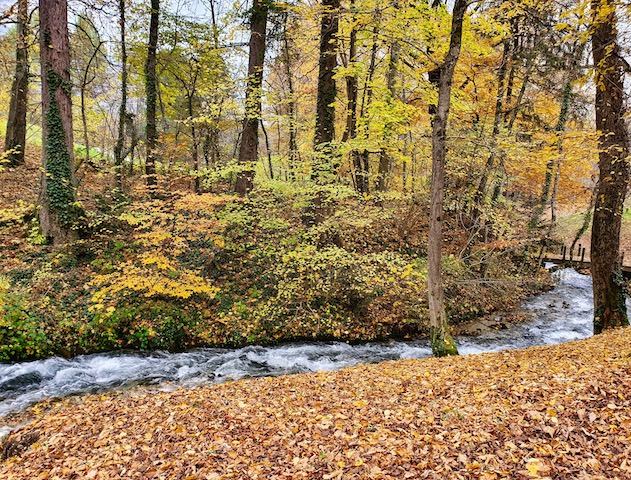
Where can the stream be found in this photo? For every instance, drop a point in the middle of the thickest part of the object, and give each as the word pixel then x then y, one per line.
pixel 560 315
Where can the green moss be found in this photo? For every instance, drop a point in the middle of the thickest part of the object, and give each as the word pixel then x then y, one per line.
pixel 442 342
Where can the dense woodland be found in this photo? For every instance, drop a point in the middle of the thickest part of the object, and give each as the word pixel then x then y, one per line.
pixel 213 174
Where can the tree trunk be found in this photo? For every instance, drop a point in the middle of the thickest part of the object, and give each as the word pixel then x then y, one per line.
pixel 441 341
pixel 59 215
pixel 15 140
pixel 609 287
pixel 393 70
pixel 194 141
pixel 325 111
pixel 549 176
pixel 361 179
pixel 151 88
pixel 294 154
pixel 480 193
pixel 248 151
pixel 122 112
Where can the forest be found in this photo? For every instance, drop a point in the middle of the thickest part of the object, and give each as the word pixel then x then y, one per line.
pixel 205 174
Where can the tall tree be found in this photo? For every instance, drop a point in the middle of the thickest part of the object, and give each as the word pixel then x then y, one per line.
pixel 294 153
pixel 248 151
pixel 59 214
pixel 325 111
pixel 441 341
pixel 609 290
pixel 151 89
pixel 15 139
pixel 122 111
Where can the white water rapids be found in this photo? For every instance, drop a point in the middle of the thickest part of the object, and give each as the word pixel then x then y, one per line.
pixel 560 315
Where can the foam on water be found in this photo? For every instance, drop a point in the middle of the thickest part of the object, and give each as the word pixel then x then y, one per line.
pixel 562 314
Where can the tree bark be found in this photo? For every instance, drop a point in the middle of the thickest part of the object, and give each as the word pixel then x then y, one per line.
pixel 15 140
pixel 325 111
pixel 151 89
pixel 122 112
pixel 248 151
pixel 393 69
pixel 361 179
pixel 441 341
pixel 480 193
pixel 294 153
pixel 550 166
pixel 59 214
pixel 609 287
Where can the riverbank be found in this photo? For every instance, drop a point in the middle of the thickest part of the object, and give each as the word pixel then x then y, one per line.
pixel 545 412
pixel 291 262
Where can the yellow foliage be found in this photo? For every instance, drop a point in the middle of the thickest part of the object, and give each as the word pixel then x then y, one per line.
pixel 165 232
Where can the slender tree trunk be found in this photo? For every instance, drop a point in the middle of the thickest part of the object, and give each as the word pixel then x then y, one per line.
pixel 609 287
pixel 268 151
pixel 587 221
pixel 194 146
pixel 555 189
pixel 151 88
pixel 480 193
pixel 441 342
pixel 361 180
pixel 59 214
pixel 325 111
pixel 122 112
pixel 84 122
pixel 294 153
pixel 393 70
pixel 248 151
pixel 550 166
pixel 362 160
pixel 530 63
pixel 15 140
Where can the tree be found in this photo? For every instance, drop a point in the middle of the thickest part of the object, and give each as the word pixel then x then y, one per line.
pixel 122 111
pixel 325 110
pixel 441 341
pixel 609 293
pixel 88 62
pixel 248 151
pixel 59 215
pixel 151 89
pixel 15 140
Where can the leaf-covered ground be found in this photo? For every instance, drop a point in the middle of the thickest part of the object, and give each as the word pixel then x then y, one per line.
pixel 546 412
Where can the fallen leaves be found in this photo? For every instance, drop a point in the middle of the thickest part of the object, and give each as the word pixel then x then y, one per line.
pixel 546 412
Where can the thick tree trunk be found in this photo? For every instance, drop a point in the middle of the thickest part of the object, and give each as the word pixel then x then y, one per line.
pixel 15 140
pixel 122 112
pixel 609 287
pixel 441 341
pixel 151 89
pixel 248 151
pixel 325 111
pixel 59 214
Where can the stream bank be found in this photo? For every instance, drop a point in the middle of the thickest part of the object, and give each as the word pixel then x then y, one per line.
pixel 559 315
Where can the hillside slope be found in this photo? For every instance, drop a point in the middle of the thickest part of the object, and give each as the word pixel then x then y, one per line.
pixel 547 412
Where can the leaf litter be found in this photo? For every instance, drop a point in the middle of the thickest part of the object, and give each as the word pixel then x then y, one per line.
pixel 544 412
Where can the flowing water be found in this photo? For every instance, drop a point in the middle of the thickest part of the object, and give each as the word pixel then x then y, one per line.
pixel 560 315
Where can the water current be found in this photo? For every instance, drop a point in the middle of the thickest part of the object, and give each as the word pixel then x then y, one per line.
pixel 560 315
